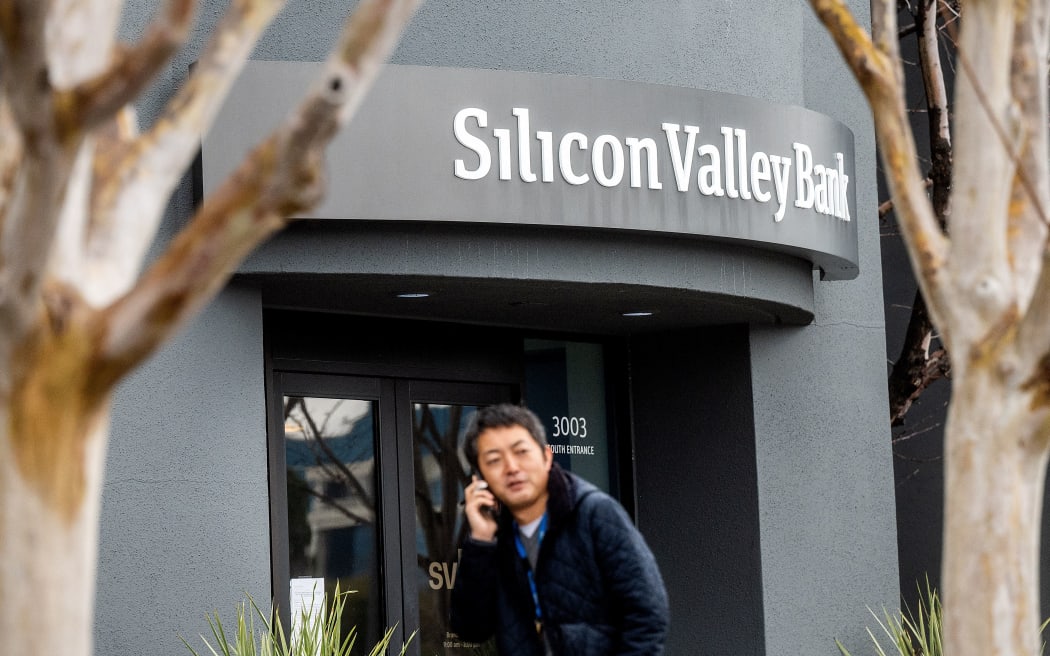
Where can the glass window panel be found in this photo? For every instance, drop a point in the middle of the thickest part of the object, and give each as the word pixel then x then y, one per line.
pixel 565 386
pixel 441 474
pixel 330 449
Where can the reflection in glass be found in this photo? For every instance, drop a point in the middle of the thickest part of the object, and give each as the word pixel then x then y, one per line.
pixel 441 472
pixel 330 453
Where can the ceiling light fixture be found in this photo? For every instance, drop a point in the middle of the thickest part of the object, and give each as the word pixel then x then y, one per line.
pixel 414 295
pixel 637 314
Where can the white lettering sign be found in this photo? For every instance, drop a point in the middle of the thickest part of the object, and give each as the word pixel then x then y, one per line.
pixel 724 168
pixel 571 449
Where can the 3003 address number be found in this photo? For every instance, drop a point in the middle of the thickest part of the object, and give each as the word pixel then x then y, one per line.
pixel 569 427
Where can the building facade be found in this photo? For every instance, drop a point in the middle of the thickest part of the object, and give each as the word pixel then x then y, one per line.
pixel 654 223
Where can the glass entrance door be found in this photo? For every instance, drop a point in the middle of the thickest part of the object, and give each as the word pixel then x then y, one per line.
pixel 434 428
pixel 373 475
pixel 330 449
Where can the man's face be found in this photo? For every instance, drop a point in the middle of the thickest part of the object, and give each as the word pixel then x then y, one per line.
pixel 516 469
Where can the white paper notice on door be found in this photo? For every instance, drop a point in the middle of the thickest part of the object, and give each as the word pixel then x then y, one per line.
pixel 307 610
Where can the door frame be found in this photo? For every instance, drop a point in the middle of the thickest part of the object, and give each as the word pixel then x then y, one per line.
pixel 410 392
pixel 395 475
pixel 283 384
pixel 341 346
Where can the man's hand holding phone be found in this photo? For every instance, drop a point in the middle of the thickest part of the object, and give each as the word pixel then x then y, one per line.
pixel 482 509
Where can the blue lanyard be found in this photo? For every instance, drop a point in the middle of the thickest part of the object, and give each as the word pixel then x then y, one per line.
pixel 528 569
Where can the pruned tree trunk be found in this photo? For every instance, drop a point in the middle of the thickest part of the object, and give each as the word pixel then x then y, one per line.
pixel 81 196
pixel 984 275
pixel 49 595
pixel 995 466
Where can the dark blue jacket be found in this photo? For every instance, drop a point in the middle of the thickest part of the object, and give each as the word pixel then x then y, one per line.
pixel 599 587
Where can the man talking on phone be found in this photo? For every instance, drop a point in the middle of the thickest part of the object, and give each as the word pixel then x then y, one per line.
pixel 552 565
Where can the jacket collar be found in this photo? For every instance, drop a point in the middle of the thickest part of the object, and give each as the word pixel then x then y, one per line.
pixel 565 490
pixel 561 490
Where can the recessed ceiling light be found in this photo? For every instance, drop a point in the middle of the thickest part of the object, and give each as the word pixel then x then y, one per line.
pixel 413 295
pixel 637 314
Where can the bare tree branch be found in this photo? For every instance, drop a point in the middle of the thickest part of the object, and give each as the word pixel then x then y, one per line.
pixel 25 82
pixel 39 186
pixel 870 63
pixel 984 107
pixel 949 10
pixel 879 74
pixel 128 205
pixel 918 366
pixel 97 99
pixel 426 432
pixel 79 39
pixel 1030 195
pixel 884 32
pixel 937 111
pixel 886 206
pixel 327 457
pixel 280 178
pixel 1033 337
pixel 333 503
pixel 10 159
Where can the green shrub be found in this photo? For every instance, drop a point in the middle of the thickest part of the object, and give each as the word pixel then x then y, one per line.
pixel 912 635
pixel 317 637
pixel 909 634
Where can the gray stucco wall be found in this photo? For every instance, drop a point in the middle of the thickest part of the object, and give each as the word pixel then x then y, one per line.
pixel 185 508
pixel 185 513
pixel 823 449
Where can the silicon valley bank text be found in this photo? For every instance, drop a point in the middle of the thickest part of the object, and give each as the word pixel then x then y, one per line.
pixel 724 169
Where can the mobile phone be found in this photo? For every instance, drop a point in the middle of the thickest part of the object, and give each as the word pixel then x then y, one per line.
pixel 493 510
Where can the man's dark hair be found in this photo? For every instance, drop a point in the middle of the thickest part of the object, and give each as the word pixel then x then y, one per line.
pixel 502 415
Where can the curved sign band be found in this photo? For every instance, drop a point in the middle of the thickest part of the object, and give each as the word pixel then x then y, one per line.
pixel 487 146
